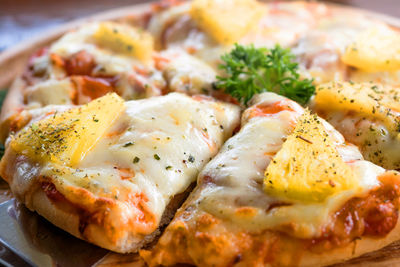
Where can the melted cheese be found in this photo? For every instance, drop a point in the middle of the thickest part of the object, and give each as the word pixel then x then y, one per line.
pixel 154 149
pixel 50 92
pixel 187 74
pixel 319 51
pixel 238 172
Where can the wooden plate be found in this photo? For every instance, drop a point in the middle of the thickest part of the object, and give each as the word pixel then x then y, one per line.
pixel 13 62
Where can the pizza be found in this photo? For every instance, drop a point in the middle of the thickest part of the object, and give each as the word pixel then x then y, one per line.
pixel 113 172
pixel 279 122
pixel 286 190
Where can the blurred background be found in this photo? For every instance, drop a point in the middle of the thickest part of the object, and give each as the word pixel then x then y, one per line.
pixel 22 19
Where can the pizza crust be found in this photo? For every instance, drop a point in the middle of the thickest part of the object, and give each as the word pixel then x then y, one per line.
pixel 352 250
pixel 182 249
pixel 95 234
pixel 13 103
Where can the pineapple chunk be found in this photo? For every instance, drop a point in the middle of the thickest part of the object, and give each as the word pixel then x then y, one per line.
pixel 226 21
pixel 374 50
pixel 373 100
pixel 66 138
pixel 125 39
pixel 308 167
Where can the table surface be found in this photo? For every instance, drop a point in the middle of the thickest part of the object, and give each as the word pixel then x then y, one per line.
pixel 22 19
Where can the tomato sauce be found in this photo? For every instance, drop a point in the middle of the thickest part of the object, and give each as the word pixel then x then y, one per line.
pixel 266 110
pixel 374 215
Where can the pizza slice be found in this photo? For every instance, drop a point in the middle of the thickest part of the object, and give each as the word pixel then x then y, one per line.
pixel 90 61
pixel 350 46
pixel 286 190
pixel 367 114
pixel 84 64
pixel 112 172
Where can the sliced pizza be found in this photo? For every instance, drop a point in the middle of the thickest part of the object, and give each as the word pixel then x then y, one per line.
pixel 84 64
pixel 286 190
pixel 367 114
pixel 112 172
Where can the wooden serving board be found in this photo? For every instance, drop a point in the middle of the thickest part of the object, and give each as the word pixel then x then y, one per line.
pixel 13 61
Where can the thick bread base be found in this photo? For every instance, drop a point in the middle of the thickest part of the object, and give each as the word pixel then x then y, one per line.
pixel 69 222
pixel 353 250
pixel 287 255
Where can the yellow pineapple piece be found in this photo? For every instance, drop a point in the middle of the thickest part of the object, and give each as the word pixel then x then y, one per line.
pixel 125 39
pixel 374 50
pixel 226 20
pixel 65 138
pixel 308 167
pixel 373 100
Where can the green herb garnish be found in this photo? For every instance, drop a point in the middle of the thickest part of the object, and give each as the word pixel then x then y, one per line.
pixel 128 144
pixel 253 70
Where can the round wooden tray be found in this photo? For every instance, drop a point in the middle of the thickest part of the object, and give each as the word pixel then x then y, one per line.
pixel 13 62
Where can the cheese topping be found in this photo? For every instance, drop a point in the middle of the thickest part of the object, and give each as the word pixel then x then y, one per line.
pixel 187 74
pixel 237 173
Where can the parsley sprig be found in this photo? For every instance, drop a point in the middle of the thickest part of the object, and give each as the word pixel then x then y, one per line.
pixel 253 70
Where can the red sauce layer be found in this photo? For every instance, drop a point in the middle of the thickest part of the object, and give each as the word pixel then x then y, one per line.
pixel 374 215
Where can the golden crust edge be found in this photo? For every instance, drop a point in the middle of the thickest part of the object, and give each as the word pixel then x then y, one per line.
pixel 69 222
pixel 352 250
pixel 13 102
pixel 305 258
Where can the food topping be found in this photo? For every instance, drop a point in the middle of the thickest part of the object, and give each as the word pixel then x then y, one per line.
pixel 376 49
pixel 370 99
pixel 66 137
pixel 125 40
pixel 308 167
pixel 253 70
pixel 226 21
